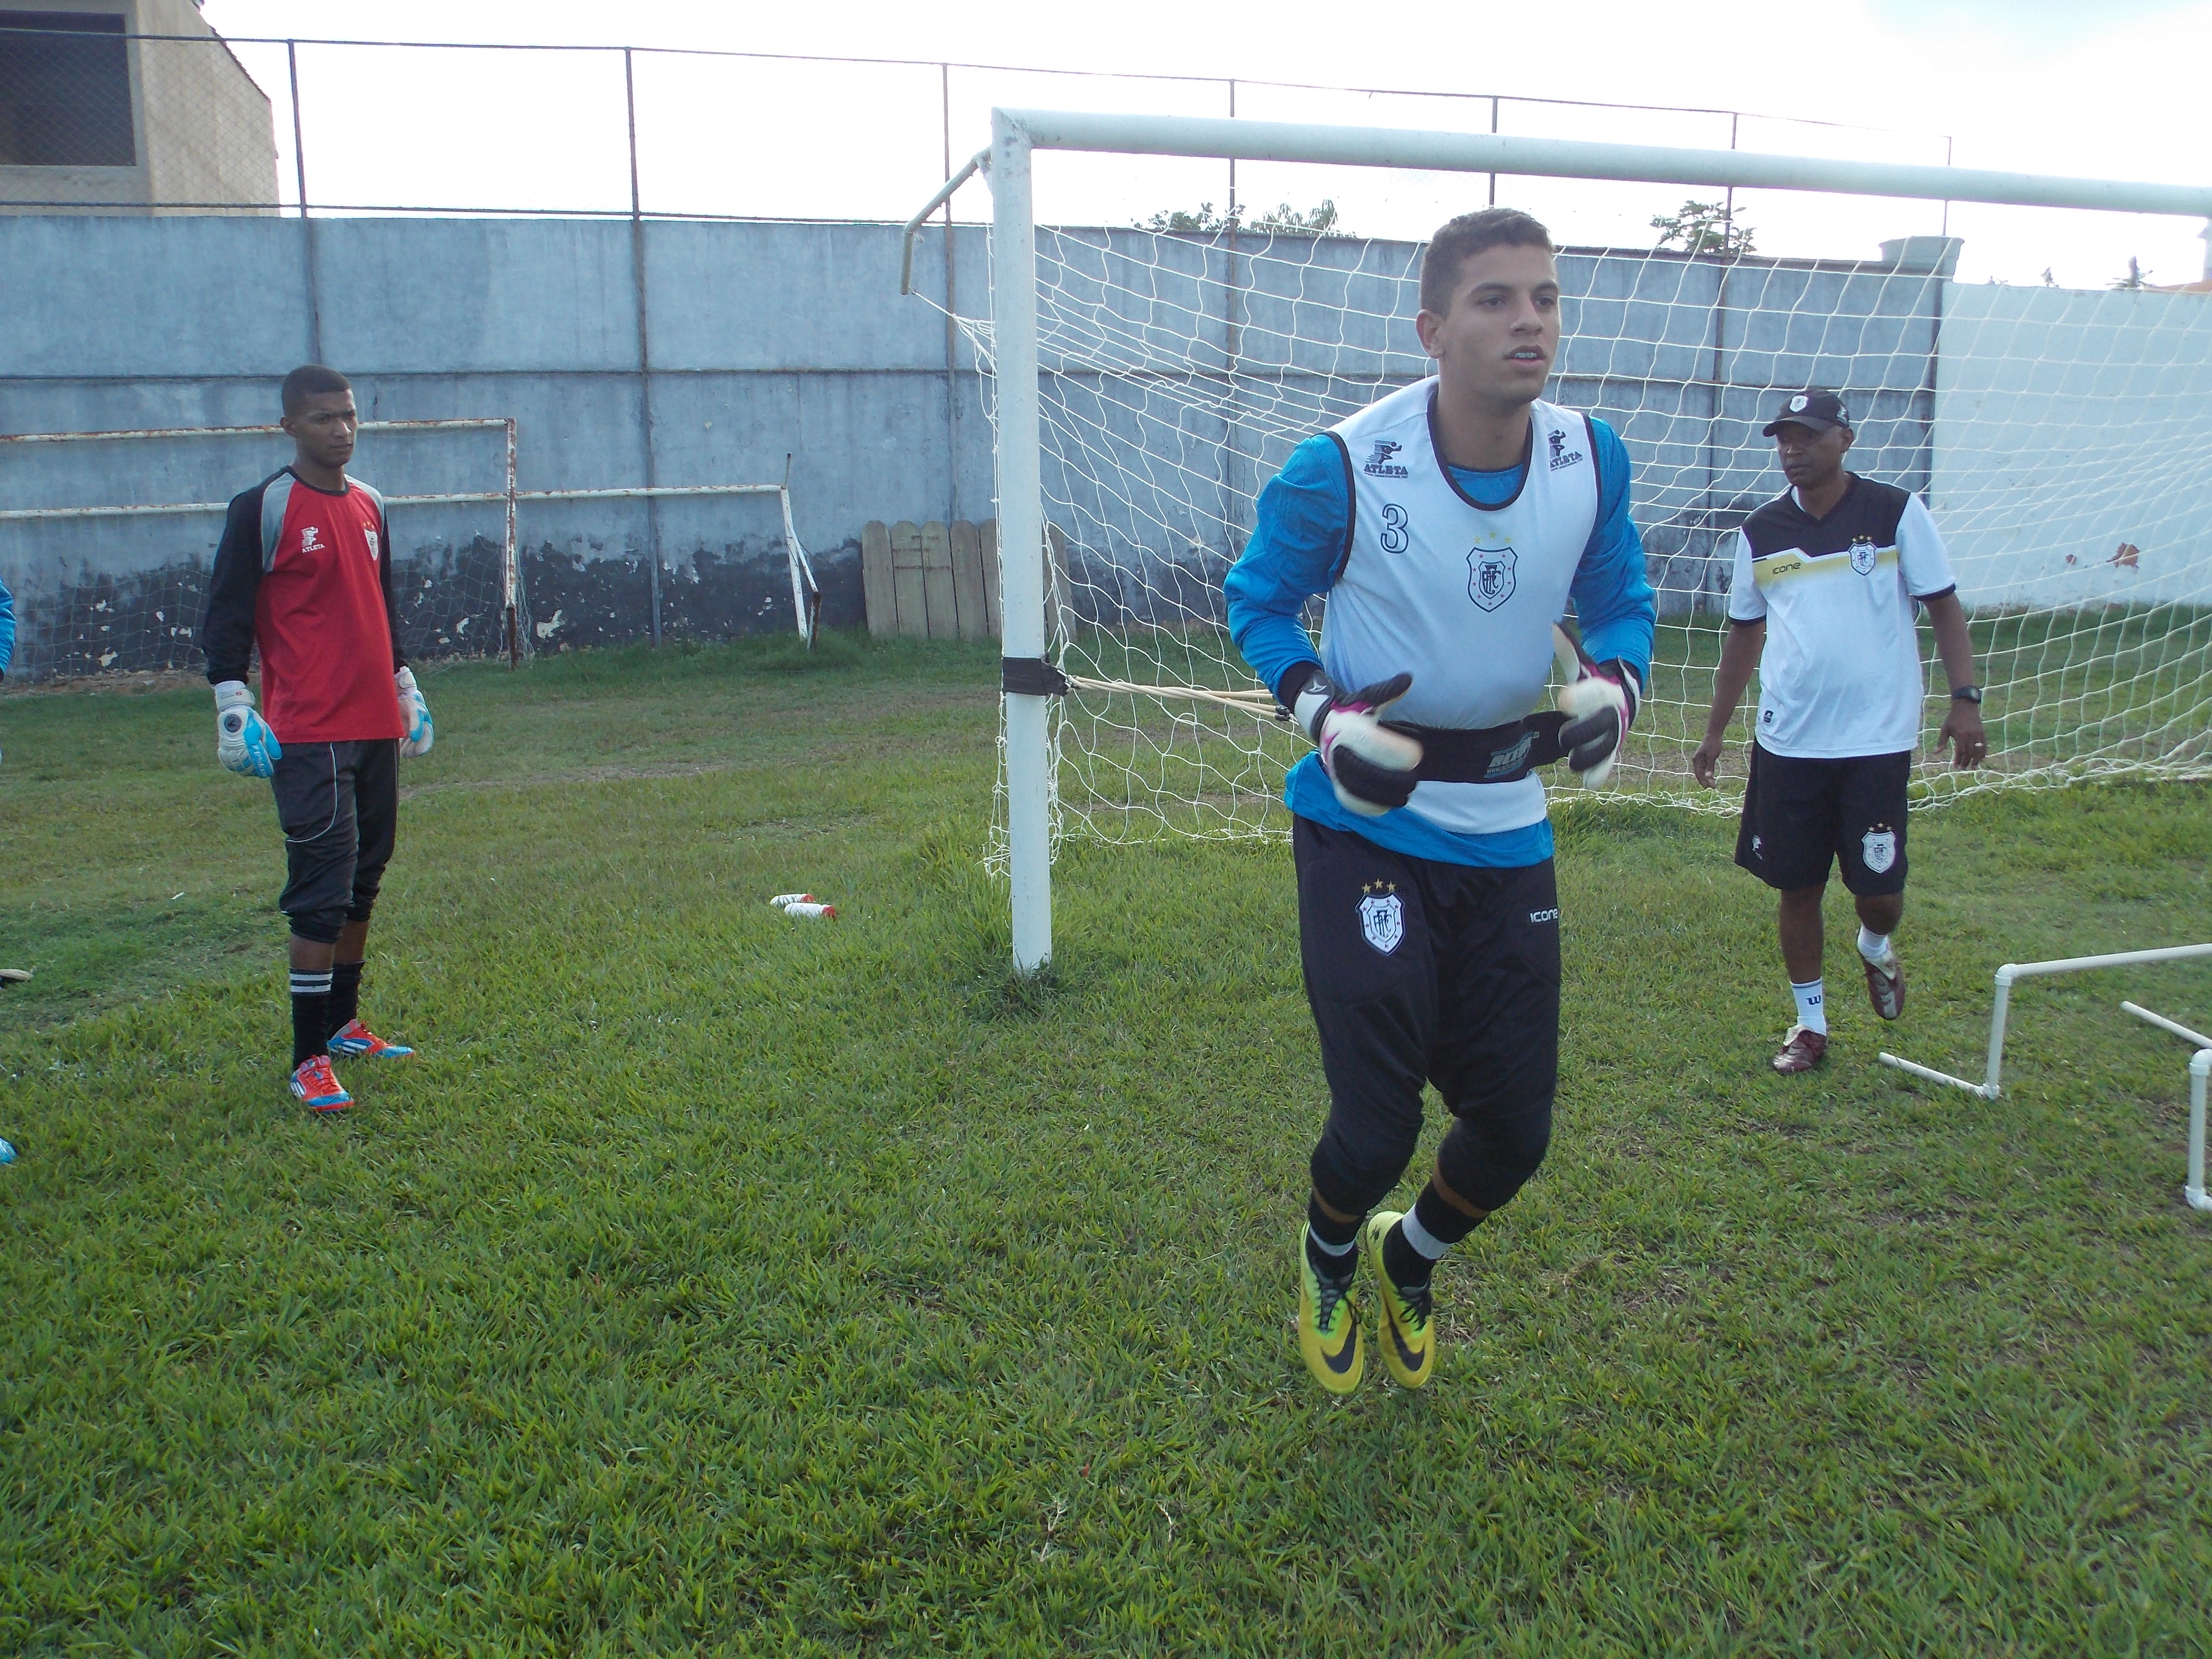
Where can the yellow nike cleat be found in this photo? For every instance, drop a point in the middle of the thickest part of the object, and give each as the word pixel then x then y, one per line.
pixel 1408 1337
pixel 1329 1327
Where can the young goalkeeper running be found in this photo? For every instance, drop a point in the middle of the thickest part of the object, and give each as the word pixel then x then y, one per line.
pixel 1449 524
pixel 304 572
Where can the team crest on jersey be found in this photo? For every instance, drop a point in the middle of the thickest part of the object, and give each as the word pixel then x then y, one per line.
pixel 372 554
pixel 1863 555
pixel 1490 576
pixel 1383 915
pixel 310 540
pixel 1878 847
pixel 1561 455
pixel 1380 464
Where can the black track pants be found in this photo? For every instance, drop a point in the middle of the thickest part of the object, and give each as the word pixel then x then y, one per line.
pixel 1419 972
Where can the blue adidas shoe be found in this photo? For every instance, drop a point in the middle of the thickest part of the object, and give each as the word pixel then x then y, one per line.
pixel 354 1040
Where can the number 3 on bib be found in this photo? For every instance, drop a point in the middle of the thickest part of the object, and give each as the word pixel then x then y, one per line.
pixel 1394 537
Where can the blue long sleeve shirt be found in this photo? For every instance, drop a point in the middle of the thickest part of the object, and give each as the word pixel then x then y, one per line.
pixel 1297 538
pixel 7 627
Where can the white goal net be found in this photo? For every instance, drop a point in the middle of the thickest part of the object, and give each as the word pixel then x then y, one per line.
pixel 2060 436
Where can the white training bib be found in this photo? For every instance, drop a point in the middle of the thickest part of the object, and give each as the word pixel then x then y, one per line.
pixel 1460 596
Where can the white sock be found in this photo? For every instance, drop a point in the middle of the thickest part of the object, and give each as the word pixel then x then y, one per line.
pixel 1811 1012
pixel 1874 946
pixel 1327 1248
pixel 1421 1238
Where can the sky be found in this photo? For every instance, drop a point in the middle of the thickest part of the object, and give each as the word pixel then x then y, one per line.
pixel 2112 89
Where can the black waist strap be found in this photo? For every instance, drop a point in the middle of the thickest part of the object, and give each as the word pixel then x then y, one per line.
pixel 1496 754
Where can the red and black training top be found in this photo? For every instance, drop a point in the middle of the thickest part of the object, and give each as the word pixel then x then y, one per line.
pixel 307 575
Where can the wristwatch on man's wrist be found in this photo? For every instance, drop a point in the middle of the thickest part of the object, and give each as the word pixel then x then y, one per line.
pixel 1971 694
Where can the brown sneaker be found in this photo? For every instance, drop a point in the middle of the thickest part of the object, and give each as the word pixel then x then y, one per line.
pixel 1885 987
pixel 1801 1050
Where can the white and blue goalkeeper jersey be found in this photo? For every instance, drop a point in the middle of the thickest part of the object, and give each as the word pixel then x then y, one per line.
pixel 1454 576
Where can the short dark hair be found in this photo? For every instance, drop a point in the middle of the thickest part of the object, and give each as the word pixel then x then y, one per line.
pixel 311 381
pixel 1461 239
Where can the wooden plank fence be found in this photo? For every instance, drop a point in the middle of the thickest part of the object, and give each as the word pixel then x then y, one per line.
pixel 940 581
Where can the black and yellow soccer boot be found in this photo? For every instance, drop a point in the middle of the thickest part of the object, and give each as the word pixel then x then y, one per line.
pixel 1328 1326
pixel 1406 1332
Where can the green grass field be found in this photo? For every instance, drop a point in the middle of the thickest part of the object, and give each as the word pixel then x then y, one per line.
pixel 717 1282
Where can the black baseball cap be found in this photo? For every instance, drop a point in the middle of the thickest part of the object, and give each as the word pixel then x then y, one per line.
pixel 1811 408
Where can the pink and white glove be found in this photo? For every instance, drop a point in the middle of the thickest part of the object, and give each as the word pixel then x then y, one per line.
pixel 1370 766
pixel 1599 699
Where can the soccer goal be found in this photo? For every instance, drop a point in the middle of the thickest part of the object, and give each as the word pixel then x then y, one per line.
pixel 120 586
pixel 1145 385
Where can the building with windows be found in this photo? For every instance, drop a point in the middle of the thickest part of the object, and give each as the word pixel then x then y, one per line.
pixel 129 107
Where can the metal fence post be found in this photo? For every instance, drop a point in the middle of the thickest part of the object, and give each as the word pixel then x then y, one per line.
pixel 951 326
pixel 1494 177
pixel 306 225
pixel 644 345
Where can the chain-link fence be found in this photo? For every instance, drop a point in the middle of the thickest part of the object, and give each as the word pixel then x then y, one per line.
pixel 93 118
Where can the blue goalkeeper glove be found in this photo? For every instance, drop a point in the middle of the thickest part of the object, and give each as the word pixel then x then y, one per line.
pixel 415 713
pixel 243 742
pixel 1370 766
pixel 1599 699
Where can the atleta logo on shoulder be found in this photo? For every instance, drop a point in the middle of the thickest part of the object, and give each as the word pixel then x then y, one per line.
pixel 1383 915
pixel 1379 466
pixel 1561 455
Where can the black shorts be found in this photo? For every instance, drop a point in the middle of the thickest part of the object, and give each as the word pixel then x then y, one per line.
pixel 1419 972
pixel 1799 814
pixel 339 805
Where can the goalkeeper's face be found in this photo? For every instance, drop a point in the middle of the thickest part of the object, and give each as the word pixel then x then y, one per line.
pixel 324 427
pixel 1496 344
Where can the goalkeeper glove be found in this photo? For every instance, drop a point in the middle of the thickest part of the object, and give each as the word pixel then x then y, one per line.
pixel 415 714
pixel 1599 699
pixel 1370 766
pixel 243 742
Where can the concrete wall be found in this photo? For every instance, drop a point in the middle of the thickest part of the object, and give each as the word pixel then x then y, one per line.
pixel 201 128
pixel 2073 424
pixel 767 341
pixel 1182 371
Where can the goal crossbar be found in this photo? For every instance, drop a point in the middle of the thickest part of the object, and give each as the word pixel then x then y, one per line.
pixel 1030 754
pixel 1214 137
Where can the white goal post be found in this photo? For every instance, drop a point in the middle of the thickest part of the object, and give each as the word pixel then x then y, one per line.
pixel 1032 679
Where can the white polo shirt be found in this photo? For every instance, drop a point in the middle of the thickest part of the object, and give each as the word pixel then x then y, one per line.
pixel 1840 674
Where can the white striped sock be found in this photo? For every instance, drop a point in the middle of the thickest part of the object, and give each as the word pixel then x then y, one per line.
pixel 1420 1238
pixel 1327 1248
pixel 311 985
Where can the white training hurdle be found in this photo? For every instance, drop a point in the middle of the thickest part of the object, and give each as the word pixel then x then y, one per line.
pixel 2200 1067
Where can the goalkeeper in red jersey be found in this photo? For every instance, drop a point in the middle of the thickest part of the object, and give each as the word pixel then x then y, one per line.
pixel 304 572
